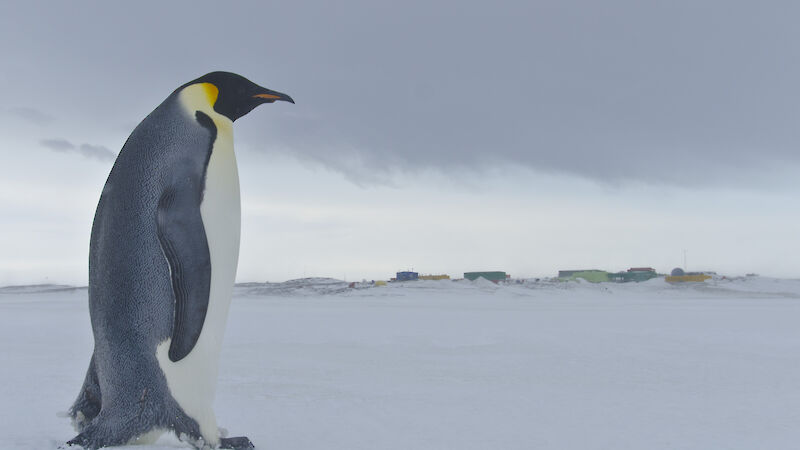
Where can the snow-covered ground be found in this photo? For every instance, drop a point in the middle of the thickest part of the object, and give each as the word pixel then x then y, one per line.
pixel 456 365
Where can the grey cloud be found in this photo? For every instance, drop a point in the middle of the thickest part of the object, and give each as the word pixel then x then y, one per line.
pixel 32 115
pixel 609 91
pixel 98 152
pixel 59 145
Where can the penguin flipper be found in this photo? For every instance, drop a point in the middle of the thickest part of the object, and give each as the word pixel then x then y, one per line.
pixel 183 240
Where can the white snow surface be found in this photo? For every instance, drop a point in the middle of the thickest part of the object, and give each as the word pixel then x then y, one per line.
pixel 312 364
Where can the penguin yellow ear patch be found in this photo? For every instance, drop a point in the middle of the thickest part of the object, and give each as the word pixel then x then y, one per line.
pixel 211 92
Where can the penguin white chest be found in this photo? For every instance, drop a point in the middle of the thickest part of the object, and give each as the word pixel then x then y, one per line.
pixel 192 380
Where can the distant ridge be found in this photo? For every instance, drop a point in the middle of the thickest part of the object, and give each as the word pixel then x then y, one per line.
pixel 38 288
pixel 300 286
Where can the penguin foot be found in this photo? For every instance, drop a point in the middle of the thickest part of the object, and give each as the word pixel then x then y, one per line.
pixel 107 431
pixel 236 443
pixel 83 440
pixel 79 440
pixel 89 439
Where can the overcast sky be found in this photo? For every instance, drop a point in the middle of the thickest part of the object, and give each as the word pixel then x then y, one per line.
pixel 440 136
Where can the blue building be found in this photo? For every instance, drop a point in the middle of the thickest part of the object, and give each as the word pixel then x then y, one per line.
pixel 407 276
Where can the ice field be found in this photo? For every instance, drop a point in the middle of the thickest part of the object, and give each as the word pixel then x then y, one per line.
pixel 311 364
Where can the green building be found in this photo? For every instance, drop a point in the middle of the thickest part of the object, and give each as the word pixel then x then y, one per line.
pixel 593 275
pixel 491 276
pixel 636 274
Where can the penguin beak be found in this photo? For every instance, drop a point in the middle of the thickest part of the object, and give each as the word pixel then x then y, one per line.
pixel 272 96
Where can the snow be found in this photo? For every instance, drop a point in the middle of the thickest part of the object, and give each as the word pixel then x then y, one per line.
pixel 311 364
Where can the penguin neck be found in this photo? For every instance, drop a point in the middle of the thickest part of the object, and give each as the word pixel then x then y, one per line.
pixel 201 97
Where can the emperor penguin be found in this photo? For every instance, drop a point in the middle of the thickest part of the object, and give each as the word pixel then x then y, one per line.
pixel 162 262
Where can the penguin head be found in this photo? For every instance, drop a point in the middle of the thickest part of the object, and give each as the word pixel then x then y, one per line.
pixel 236 95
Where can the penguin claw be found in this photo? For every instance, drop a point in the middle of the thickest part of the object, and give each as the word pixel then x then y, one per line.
pixel 80 440
pixel 236 443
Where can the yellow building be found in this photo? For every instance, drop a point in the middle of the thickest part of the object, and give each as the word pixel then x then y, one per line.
pixel 434 277
pixel 684 278
pixel 679 276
